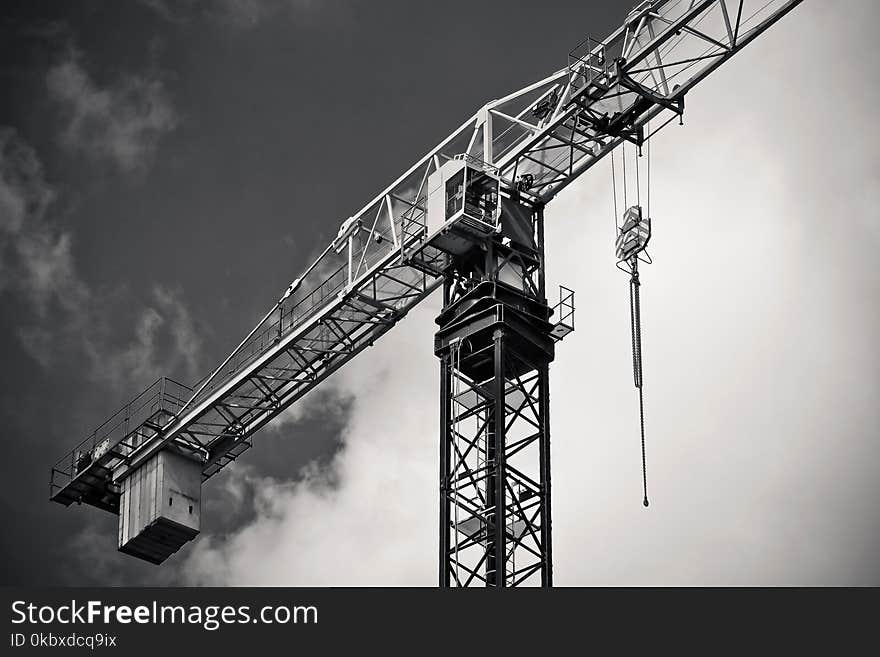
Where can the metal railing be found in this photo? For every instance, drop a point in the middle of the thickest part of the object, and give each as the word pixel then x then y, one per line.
pixel 588 61
pixel 478 163
pixel 165 396
pixel 300 307
pixel 288 316
pixel 565 308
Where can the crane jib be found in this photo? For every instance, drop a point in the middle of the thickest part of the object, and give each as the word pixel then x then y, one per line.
pixel 535 142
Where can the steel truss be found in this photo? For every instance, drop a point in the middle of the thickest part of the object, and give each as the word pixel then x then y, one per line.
pixel 495 343
pixel 539 139
pixel 495 471
pixel 292 358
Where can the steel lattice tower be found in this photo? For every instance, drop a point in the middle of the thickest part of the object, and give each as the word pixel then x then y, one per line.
pixel 467 217
pixel 495 345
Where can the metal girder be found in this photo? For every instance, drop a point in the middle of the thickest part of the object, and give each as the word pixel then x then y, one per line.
pixel 548 132
pixel 298 360
pixel 617 86
pixel 494 479
pixel 495 344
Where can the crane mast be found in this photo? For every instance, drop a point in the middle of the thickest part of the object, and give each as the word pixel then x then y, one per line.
pixel 466 218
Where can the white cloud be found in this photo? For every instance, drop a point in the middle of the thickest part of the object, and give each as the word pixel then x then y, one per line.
pixel 759 385
pixel 762 377
pixel 165 340
pixel 186 342
pixel 361 521
pixel 38 266
pixel 35 256
pixel 121 123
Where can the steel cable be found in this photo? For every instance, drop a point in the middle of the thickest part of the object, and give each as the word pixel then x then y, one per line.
pixel 636 322
pixel 634 293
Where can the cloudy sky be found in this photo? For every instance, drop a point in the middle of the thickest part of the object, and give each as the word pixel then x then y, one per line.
pixel 166 168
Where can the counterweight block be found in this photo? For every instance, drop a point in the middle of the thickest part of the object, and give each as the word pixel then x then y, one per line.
pixel 160 506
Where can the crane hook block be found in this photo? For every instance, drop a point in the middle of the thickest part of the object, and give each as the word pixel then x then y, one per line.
pixel 633 236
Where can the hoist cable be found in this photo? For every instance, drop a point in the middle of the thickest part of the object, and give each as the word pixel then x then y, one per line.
pixel 636 319
pixel 614 192
pixel 648 171
pixel 636 322
pixel 638 184
pixel 644 466
pixel 634 290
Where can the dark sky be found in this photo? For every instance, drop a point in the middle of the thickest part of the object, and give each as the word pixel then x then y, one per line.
pixel 167 169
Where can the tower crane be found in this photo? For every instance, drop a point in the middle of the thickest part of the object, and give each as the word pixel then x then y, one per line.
pixel 468 219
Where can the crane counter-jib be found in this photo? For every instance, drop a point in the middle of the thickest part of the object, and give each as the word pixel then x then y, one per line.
pixel 379 266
